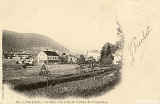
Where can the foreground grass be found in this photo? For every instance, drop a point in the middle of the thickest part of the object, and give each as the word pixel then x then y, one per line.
pixel 14 73
pixel 62 82
pixel 88 85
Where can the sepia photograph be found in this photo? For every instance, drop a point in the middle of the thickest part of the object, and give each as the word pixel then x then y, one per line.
pixel 80 52
pixel 36 65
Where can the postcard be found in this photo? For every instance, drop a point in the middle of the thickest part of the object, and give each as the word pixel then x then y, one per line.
pixel 80 52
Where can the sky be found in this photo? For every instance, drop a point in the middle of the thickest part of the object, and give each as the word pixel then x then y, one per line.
pixel 77 25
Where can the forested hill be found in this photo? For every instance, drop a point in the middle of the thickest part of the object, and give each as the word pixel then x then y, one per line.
pixel 13 41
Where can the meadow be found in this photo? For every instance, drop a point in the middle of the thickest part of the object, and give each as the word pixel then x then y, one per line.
pixel 62 82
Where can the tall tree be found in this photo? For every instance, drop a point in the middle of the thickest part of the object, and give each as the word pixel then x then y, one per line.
pixel 108 50
pixel 120 43
pixel 91 62
pixel 81 61
pixel 106 54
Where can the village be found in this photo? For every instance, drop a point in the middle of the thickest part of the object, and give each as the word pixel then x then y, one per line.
pixel 51 57
pixel 37 71
pixel 49 72
pixel 61 74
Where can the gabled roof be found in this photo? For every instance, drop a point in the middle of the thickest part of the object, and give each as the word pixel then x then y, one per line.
pixel 50 53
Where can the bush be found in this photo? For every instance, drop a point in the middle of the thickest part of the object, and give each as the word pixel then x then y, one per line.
pixel 24 66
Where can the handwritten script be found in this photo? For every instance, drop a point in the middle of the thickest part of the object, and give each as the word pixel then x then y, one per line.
pixel 135 44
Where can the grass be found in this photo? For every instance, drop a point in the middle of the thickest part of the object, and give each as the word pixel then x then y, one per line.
pixel 88 87
pixel 13 71
pixel 63 81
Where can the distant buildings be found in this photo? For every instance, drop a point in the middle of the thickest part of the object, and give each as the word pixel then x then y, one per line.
pixel 68 58
pixel 16 55
pixel 48 56
pixel 22 55
pixel 72 59
pixel 93 53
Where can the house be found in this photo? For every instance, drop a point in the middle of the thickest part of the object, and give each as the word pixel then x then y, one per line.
pixel 117 57
pixel 93 53
pixel 72 59
pixel 49 56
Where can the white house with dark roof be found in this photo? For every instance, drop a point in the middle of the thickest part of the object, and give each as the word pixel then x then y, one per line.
pixel 93 53
pixel 47 56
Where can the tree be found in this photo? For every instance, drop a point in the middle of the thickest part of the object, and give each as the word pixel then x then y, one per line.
pixel 120 43
pixel 108 60
pixel 6 55
pixel 106 54
pixel 108 50
pixel 63 54
pixel 11 57
pixel 81 61
pixel 64 59
pixel 91 61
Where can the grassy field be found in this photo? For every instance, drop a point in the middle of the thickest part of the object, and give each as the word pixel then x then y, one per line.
pixel 62 82
pixel 88 87
pixel 11 70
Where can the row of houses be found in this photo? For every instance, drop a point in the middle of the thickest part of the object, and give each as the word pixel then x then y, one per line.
pixel 52 56
pixel 17 55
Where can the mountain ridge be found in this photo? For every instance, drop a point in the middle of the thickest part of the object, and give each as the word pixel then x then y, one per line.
pixel 14 41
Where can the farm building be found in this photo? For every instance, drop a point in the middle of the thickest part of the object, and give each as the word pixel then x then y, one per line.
pixel 93 53
pixel 48 56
